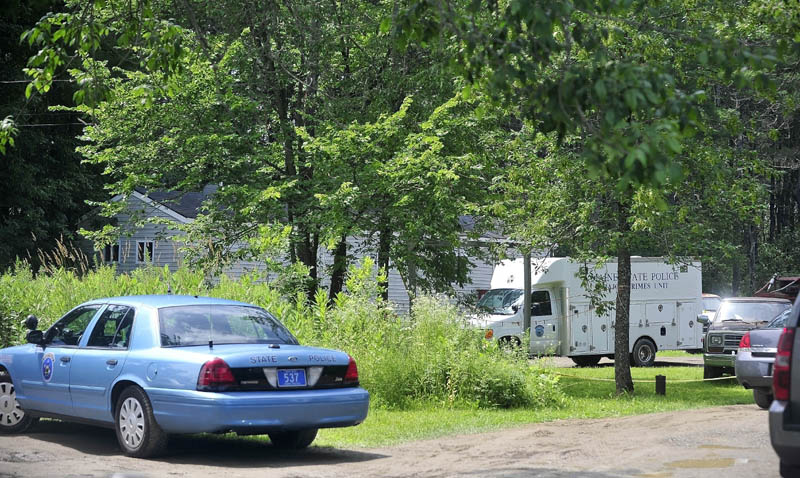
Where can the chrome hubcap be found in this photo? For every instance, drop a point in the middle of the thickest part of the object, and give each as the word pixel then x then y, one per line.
pixel 10 411
pixel 131 422
pixel 645 354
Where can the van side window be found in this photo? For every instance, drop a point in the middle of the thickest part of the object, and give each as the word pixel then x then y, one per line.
pixel 540 303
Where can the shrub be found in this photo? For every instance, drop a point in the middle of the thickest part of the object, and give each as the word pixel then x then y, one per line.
pixel 426 357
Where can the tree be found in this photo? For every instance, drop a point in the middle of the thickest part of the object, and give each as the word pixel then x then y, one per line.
pixel 44 184
pixel 604 72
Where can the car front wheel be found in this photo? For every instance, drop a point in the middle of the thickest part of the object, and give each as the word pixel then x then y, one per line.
pixel 13 418
pixel 294 440
pixel 138 433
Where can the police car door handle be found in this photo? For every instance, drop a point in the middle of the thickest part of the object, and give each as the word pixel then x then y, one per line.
pixel 65 359
pixel 111 362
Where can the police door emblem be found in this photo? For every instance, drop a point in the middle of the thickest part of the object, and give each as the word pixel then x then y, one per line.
pixel 539 330
pixel 48 364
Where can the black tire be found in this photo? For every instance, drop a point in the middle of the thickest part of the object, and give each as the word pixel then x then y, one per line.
pixel 789 471
pixel 294 440
pixel 711 372
pixel 138 433
pixel 586 360
pixel 13 418
pixel 762 397
pixel 644 353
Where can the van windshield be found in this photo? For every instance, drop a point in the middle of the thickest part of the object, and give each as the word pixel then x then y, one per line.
pixel 500 301
pixel 228 324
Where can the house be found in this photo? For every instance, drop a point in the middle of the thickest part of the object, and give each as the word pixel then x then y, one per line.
pixel 157 242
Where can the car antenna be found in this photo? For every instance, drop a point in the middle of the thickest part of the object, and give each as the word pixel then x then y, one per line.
pixel 169 289
pixel 211 344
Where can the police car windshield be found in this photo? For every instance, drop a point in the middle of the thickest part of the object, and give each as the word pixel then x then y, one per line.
pixel 752 312
pixel 228 324
pixel 500 301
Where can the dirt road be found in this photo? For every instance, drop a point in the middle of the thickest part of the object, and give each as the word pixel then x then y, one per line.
pixel 732 440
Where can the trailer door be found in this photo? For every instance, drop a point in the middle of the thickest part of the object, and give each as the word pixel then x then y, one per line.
pixel 544 323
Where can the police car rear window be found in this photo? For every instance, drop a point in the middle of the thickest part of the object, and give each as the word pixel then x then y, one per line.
pixel 229 324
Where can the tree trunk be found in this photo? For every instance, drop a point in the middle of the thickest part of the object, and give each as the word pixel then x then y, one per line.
pixel 384 246
pixel 622 365
pixel 339 268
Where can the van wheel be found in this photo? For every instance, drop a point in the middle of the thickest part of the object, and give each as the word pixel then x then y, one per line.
pixel 294 440
pixel 644 353
pixel 586 360
pixel 711 372
pixel 762 397
pixel 13 418
pixel 138 433
pixel 509 341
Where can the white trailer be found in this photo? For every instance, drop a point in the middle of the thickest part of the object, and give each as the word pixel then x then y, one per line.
pixel 665 302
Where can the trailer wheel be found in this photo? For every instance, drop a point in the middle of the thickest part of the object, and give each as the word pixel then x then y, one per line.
pixel 644 353
pixel 586 360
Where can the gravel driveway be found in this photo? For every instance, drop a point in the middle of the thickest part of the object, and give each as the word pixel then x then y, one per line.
pixel 732 441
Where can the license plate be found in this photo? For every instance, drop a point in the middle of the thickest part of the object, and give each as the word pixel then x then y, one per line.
pixel 293 377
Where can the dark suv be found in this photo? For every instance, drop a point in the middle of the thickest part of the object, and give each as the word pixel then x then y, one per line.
pixel 784 414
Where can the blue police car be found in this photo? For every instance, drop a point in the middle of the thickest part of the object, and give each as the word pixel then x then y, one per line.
pixel 150 366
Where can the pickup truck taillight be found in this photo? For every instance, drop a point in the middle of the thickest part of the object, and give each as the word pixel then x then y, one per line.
pixel 781 371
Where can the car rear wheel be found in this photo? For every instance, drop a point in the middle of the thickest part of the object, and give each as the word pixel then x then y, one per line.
pixel 644 353
pixel 138 433
pixel 13 418
pixel 294 440
pixel 763 398
pixel 711 372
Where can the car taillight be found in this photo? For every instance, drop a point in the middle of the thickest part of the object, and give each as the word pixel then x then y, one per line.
pixel 351 376
pixel 744 344
pixel 781 371
pixel 215 375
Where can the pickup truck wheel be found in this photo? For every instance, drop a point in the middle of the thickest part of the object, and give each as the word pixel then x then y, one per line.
pixel 644 353
pixel 138 433
pixel 763 398
pixel 13 418
pixel 586 360
pixel 294 440
pixel 711 372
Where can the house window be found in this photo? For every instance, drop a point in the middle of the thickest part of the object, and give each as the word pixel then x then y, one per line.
pixel 144 251
pixel 111 253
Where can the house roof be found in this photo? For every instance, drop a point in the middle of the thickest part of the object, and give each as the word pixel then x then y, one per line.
pixel 187 204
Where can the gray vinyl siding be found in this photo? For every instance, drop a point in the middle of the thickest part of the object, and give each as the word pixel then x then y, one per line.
pixel 165 248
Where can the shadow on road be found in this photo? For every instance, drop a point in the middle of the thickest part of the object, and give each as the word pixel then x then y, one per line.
pixel 207 450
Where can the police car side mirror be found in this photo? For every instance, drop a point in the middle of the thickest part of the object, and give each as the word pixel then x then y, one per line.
pixel 703 319
pixel 31 322
pixel 35 337
pixel 515 308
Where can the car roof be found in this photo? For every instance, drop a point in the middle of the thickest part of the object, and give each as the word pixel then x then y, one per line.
pixel 157 301
pixel 756 299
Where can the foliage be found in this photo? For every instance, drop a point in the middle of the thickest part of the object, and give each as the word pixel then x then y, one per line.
pixel 428 357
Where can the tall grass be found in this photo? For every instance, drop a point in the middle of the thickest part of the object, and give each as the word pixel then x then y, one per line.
pixel 427 357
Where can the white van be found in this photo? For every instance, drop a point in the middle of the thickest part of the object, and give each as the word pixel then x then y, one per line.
pixel 665 302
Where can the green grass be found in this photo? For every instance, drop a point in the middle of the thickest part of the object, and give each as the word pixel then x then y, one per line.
pixel 585 399
pixel 676 353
